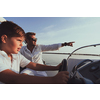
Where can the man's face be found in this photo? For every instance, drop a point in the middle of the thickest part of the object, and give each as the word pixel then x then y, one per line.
pixel 14 44
pixel 32 41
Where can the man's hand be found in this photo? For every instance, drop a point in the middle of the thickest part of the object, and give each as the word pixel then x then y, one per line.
pixel 68 44
pixel 61 78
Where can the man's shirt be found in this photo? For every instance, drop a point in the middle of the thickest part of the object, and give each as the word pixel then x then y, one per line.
pixel 36 56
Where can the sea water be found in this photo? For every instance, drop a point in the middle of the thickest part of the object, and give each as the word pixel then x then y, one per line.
pixel 54 59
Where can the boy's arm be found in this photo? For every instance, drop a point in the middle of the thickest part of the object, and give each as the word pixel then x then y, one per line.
pixel 10 77
pixel 41 67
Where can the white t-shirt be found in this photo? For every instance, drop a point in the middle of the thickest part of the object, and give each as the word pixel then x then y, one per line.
pixel 17 61
pixel 36 56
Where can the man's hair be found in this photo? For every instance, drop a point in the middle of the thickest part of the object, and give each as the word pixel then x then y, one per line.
pixel 11 30
pixel 29 34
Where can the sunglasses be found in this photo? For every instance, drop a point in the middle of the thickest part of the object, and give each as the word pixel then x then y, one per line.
pixel 33 39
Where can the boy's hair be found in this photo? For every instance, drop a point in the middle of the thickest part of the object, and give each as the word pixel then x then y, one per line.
pixel 11 30
pixel 29 34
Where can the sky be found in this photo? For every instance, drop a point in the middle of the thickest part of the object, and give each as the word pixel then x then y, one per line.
pixel 50 30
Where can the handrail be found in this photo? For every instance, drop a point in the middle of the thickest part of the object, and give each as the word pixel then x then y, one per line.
pixel 73 54
pixel 81 48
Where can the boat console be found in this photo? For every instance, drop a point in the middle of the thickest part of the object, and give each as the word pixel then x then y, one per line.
pixel 87 73
pixel 90 72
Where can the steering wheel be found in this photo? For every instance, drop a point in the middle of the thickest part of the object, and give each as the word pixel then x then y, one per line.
pixel 75 80
pixel 64 65
pixel 71 80
pixel 82 63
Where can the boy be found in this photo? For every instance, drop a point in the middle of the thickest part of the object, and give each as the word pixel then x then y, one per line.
pixel 11 38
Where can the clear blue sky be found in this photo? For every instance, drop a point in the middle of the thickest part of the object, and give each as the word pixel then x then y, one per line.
pixel 49 30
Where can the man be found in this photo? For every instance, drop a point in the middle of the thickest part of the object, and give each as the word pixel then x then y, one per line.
pixel 33 52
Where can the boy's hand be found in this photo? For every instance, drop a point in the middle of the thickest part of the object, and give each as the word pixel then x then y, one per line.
pixel 59 65
pixel 61 77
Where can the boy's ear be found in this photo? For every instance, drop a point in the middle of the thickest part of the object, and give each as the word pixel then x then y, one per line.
pixel 4 38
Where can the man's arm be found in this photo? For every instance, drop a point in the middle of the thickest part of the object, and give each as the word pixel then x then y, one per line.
pixel 10 77
pixel 55 46
pixel 51 47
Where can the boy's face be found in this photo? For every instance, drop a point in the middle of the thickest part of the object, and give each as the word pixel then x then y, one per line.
pixel 14 44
